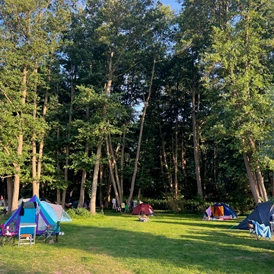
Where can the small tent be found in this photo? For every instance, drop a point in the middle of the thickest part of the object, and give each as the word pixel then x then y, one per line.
pixel 261 214
pixel 33 211
pixel 145 208
pixel 221 211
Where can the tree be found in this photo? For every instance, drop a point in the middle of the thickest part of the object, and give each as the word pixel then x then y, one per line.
pixel 27 39
pixel 237 71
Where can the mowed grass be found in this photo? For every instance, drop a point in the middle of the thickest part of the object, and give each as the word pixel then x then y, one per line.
pixel 119 243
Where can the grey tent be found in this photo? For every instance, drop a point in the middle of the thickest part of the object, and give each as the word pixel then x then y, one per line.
pixel 262 214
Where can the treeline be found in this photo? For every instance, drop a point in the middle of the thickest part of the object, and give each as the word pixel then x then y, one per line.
pixel 130 99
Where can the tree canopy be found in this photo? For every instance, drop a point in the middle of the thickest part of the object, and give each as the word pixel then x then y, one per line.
pixel 127 99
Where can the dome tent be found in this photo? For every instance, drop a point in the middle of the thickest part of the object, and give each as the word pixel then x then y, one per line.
pixel 34 211
pixel 144 208
pixel 221 211
pixel 261 214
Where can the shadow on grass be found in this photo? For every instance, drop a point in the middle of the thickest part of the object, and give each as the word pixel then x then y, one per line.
pixel 209 224
pixel 200 251
pixel 191 250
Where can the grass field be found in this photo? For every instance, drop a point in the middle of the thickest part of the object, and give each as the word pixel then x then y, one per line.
pixel 119 243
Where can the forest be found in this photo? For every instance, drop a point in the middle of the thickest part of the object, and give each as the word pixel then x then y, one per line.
pixel 132 100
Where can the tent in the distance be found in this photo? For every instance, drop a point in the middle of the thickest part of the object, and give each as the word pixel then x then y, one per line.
pixel 220 211
pixel 143 209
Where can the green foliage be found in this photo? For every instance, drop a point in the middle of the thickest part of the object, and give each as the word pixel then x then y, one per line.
pixel 83 213
pixel 79 212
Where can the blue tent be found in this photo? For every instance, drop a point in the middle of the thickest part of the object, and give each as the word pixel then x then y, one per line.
pixel 32 211
pixel 221 211
pixel 228 211
pixel 261 214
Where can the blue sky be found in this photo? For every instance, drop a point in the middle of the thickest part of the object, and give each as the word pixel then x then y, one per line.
pixel 172 3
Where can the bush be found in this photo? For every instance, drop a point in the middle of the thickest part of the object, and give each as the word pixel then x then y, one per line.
pixel 75 212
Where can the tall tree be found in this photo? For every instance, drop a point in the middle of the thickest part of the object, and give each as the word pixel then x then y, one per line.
pixel 24 50
pixel 237 70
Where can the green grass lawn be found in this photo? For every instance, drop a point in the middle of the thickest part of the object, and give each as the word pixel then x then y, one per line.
pixel 168 243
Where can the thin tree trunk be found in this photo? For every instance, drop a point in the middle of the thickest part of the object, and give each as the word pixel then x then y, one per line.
pixel 58 196
pixel 162 172
pixel 251 179
pixel 101 187
pixel 169 175
pixel 175 161
pixel 196 147
pixel 122 165
pixel 9 193
pixel 183 157
pixel 261 186
pixel 258 176
pixel 72 92
pixel 17 166
pixel 35 183
pixel 99 147
pixel 108 198
pixel 140 135
pixel 113 166
pixel 84 172
pixel 82 189
pixel 95 179
pixel 114 181
pixel 58 192
pixel 139 194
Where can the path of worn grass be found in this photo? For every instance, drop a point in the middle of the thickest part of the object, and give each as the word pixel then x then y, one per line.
pixel 115 243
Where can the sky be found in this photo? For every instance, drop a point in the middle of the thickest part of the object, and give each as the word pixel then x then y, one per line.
pixel 172 3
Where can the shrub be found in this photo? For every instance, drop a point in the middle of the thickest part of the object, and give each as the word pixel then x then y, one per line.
pixel 75 212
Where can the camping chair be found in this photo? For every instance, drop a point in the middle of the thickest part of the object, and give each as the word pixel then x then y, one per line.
pixel 259 230
pixel 48 235
pixel 251 227
pixel 8 235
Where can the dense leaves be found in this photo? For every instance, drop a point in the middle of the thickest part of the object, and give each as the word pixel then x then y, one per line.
pixel 110 98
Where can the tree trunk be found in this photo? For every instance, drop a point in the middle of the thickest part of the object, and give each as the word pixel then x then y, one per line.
pixel 140 135
pixel 83 181
pixel 17 166
pixel 122 165
pixel 251 179
pixel 35 182
pixel 169 175
pixel 9 193
pixel 84 172
pixel 139 194
pixel 261 186
pixel 111 163
pixel 196 149
pixel 101 187
pixel 183 158
pixel 175 161
pixel 82 190
pixel 95 179
pixel 58 192
pixel 258 175
pixel 99 147
pixel 72 92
